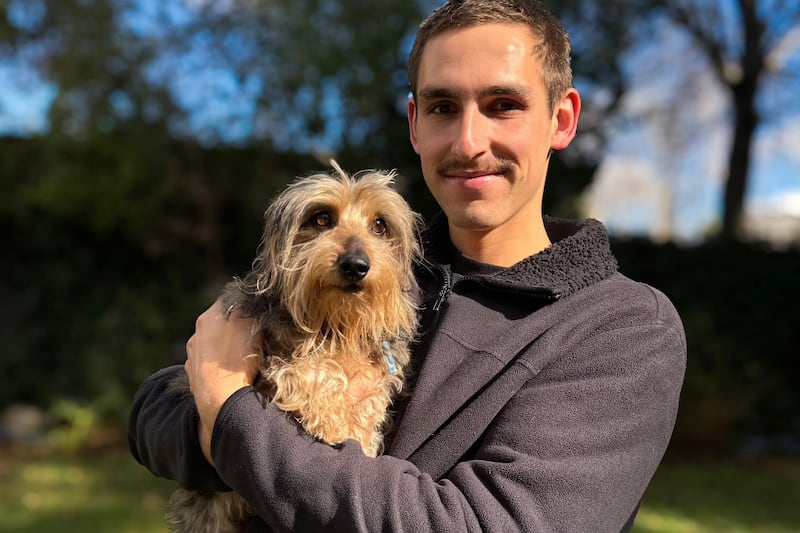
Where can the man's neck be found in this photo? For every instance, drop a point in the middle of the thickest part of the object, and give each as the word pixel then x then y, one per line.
pixel 498 247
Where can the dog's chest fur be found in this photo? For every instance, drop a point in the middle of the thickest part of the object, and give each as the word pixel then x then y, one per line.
pixel 335 394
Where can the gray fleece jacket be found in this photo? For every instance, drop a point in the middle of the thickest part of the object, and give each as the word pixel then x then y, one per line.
pixel 544 398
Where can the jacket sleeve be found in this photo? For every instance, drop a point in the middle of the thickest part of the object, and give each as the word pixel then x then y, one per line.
pixel 298 484
pixel 162 433
pixel 573 450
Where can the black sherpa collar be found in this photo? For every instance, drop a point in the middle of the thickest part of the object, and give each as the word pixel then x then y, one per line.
pixel 580 255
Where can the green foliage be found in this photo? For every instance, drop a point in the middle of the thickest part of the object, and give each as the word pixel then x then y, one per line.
pixel 97 295
pixel 738 304
pixel 85 317
pixel 75 423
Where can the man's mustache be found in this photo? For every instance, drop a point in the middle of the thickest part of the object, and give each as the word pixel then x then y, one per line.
pixel 495 166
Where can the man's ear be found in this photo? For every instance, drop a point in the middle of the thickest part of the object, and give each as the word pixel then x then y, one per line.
pixel 565 119
pixel 412 122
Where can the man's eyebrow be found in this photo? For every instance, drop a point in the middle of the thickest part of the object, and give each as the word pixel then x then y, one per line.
pixel 517 91
pixel 435 93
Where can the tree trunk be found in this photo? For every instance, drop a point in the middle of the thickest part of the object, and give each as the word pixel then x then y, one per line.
pixel 745 123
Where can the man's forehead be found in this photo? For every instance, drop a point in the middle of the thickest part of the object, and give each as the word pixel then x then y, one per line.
pixel 523 36
pixel 490 54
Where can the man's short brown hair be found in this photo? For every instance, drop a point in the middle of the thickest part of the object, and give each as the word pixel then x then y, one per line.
pixel 553 47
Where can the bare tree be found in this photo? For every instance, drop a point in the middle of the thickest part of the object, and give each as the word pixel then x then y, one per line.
pixel 744 41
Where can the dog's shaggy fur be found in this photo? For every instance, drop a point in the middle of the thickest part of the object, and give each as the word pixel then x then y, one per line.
pixel 332 297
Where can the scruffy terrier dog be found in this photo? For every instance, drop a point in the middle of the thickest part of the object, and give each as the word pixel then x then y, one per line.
pixel 332 294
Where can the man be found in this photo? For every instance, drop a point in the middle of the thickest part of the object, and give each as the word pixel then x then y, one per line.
pixel 547 383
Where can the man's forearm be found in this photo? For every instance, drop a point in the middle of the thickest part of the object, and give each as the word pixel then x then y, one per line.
pixel 163 433
pixel 296 483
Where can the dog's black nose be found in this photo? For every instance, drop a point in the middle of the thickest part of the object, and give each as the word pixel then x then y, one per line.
pixel 353 266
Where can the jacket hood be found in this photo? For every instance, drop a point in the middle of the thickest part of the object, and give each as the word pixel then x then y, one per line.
pixel 580 255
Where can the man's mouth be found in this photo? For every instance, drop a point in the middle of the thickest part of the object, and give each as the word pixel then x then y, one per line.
pixel 473 179
pixel 468 174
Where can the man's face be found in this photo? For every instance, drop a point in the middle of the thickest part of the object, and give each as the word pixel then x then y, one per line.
pixel 482 127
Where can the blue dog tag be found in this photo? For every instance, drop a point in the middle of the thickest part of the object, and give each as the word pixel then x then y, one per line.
pixel 387 349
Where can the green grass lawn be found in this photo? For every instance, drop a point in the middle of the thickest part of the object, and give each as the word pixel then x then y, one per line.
pixel 728 497
pixel 110 493
pixel 106 493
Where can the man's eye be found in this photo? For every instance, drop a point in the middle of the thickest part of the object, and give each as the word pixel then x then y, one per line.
pixel 441 109
pixel 321 220
pixel 379 226
pixel 503 106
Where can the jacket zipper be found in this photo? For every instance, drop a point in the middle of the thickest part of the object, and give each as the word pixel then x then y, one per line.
pixel 445 289
pixel 444 292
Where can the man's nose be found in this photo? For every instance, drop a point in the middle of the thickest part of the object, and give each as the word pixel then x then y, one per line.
pixel 472 138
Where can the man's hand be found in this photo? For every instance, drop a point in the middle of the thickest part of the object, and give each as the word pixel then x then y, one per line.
pixel 220 361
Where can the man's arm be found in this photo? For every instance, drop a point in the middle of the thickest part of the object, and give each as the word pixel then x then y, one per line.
pixel 573 451
pixel 163 431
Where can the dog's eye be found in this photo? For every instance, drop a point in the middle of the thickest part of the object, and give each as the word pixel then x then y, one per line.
pixel 378 226
pixel 321 220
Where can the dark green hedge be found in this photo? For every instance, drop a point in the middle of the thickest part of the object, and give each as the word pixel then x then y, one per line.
pixel 739 304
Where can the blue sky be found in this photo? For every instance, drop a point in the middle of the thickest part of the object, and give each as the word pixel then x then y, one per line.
pixel 24 100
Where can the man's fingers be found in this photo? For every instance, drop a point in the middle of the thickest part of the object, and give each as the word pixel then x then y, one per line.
pixel 210 314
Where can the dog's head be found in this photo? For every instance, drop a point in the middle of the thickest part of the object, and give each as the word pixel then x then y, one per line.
pixel 339 251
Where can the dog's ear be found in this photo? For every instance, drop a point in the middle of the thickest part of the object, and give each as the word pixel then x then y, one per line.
pixel 410 250
pixel 282 220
